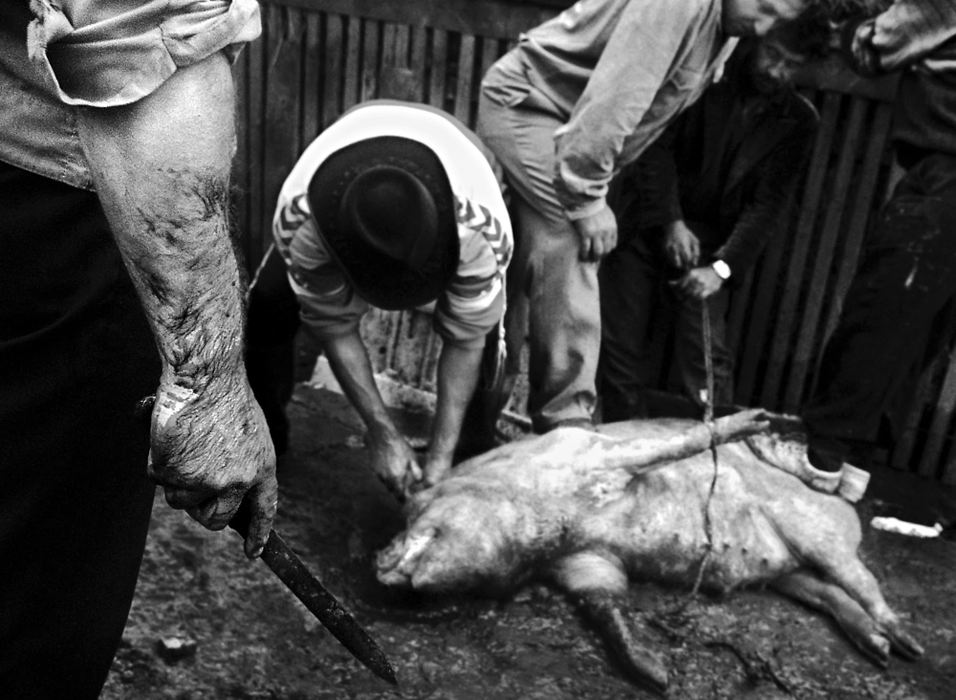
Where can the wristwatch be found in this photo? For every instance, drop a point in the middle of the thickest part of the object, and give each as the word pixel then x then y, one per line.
pixel 722 269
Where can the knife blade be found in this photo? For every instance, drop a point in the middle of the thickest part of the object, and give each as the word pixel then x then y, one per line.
pixel 307 588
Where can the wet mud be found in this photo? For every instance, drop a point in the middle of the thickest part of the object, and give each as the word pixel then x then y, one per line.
pixel 231 630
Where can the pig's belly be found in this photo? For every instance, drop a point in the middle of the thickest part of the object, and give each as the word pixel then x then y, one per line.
pixel 663 528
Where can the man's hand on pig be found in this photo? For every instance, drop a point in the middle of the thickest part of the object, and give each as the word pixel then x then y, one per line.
pixel 211 450
pixel 394 462
pixel 699 283
pixel 436 466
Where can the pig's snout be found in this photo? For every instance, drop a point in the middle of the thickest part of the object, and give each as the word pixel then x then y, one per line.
pixel 397 563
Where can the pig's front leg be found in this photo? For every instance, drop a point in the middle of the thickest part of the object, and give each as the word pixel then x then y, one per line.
pixel 639 454
pixel 598 583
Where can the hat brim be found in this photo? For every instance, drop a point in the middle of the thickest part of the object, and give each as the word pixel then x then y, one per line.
pixel 379 279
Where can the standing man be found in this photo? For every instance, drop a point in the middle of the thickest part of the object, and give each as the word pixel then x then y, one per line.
pixel 396 205
pixel 581 96
pixel 696 210
pixel 908 265
pixel 116 140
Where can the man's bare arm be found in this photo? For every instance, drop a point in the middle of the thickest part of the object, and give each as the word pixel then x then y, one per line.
pixel 393 459
pixel 161 168
pixel 458 370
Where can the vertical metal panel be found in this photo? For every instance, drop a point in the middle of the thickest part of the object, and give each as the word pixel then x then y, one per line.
pixel 819 262
pixel 439 65
pixel 785 313
pixel 314 71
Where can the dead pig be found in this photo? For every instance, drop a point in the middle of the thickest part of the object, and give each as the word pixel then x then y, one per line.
pixel 640 499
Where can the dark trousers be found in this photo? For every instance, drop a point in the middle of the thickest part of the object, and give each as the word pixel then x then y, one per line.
pixel 635 296
pixel 907 274
pixel 270 345
pixel 75 356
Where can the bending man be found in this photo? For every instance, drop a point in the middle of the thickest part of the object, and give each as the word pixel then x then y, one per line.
pixel 396 205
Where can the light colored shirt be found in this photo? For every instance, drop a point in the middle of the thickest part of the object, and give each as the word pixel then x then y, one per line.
pixel 474 300
pixel 58 55
pixel 616 72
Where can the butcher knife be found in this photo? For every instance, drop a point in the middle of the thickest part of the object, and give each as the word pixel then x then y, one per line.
pixel 292 572
pixel 307 588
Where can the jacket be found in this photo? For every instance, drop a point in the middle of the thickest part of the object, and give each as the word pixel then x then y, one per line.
pixel 728 167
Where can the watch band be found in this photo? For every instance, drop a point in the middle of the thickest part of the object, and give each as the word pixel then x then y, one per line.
pixel 722 269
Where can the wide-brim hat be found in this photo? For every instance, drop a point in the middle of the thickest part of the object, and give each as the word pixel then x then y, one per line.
pixel 385 209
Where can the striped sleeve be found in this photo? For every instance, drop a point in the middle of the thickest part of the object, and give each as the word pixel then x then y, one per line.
pixel 474 301
pixel 328 305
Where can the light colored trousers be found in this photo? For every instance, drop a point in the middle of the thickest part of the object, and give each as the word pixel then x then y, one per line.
pixel 548 284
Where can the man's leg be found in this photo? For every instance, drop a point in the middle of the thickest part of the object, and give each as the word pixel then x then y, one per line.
pixel 270 345
pixel 564 324
pixel 630 290
pixel 908 273
pixel 690 352
pixel 75 356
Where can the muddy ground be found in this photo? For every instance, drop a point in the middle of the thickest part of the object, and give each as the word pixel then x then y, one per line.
pixel 253 640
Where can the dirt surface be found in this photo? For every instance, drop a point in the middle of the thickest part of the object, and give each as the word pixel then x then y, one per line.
pixel 252 639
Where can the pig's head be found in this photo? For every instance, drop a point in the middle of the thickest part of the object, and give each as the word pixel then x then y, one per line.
pixel 460 536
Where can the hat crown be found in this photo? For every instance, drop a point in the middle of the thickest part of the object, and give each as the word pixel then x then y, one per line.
pixel 390 210
pixel 385 209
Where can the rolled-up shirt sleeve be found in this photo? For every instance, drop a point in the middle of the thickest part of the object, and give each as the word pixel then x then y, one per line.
pixel 104 54
pixel 463 320
pixel 636 62
pixel 907 32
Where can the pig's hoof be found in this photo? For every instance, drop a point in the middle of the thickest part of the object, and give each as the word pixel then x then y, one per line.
pixel 652 675
pixel 877 649
pixel 644 668
pixel 904 644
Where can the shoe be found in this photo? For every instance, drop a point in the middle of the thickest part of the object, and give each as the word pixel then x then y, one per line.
pixel 826 454
pixel 853 483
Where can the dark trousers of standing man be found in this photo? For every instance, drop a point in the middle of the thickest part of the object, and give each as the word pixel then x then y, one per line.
pixel 75 356
pixel 907 274
pixel 635 295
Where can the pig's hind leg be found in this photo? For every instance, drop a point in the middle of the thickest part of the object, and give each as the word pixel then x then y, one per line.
pixel 873 637
pixel 830 548
pixel 850 574
pixel 829 598
pixel 597 584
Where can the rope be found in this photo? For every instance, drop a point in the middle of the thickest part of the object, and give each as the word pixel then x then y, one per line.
pixel 708 361
pixel 262 265
pixel 709 422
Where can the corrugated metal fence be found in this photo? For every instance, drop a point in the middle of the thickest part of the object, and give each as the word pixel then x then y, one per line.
pixel 317 58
